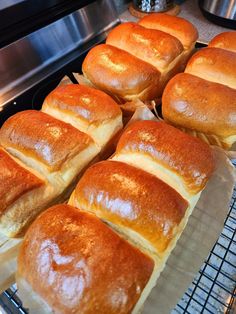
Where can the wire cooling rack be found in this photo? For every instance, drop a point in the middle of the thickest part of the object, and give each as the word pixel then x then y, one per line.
pixel 213 289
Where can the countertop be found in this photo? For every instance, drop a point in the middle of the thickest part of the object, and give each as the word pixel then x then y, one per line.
pixel 190 11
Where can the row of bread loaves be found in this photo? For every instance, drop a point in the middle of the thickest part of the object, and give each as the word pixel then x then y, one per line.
pixel 104 251
pixel 202 101
pixel 139 58
pixel 43 152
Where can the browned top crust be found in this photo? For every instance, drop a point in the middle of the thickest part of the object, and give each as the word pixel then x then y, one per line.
pixel 191 102
pixel 226 40
pixel 153 46
pixel 15 181
pixel 86 103
pixel 214 64
pixel 132 198
pixel 42 137
pixel 121 74
pixel 186 156
pixel 176 26
pixel 77 264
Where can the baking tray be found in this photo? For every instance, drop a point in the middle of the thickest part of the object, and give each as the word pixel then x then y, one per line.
pixel 214 287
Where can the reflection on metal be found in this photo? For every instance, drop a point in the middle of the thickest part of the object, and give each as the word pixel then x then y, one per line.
pixel 221 8
pixel 34 57
pixel 7 3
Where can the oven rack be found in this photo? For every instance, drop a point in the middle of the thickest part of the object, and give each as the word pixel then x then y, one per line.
pixel 212 291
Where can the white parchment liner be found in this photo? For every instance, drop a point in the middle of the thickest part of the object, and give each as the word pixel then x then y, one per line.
pixel 198 238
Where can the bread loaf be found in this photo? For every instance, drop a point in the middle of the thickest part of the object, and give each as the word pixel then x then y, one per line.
pixel 215 65
pixel 73 263
pixel 121 74
pixel 23 192
pixel 152 46
pixel 182 161
pixel 133 201
pixel 173 25
pixel 226 40
pixel 202 108
pixel 54 148
pixel 87 109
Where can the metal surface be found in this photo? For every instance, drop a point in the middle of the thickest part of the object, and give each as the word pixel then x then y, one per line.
pixel 8 3
pixel 221 8
pixel 153 5
pixel 32 58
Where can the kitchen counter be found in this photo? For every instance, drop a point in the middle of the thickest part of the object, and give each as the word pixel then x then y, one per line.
pixel 190 11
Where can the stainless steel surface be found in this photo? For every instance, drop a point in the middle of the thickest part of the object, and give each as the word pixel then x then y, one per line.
pixel 153 5
pixel 34 57
pixel 221 8
pixel 8 3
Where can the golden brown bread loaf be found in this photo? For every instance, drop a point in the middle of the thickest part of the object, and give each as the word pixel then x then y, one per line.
pixel 54 148
pixel 87 109
pixel 121 74
pixel 226 40
pixel 133 201
pixel 202 108
pixel 77 264
pixel 23 192
pixel 182 161
pixel 215 65
pixel 40 136
pixel 17 180
pixel 153 46
pixel 173 25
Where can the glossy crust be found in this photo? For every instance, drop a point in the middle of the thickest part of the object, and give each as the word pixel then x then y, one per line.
pixel 214 64
pixel 79 265
pixel 86 103
pixel 176 26
pixel 226 40
pixel 197 104
pixel 121 74
pixel 15 181
pixel 42 137
pixel 188 157
pixel 130 197
pixel 153 46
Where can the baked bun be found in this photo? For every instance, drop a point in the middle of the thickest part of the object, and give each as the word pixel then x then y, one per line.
pixel 54 148
pixel 136 203
pixel 73 263
pixel 201 108
pixel 176 26
pixel 153 46
pixel 23 193
pixel 87 109
pixel 180 160
pixel 214 64
pixel 226 40
pixel 121 74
